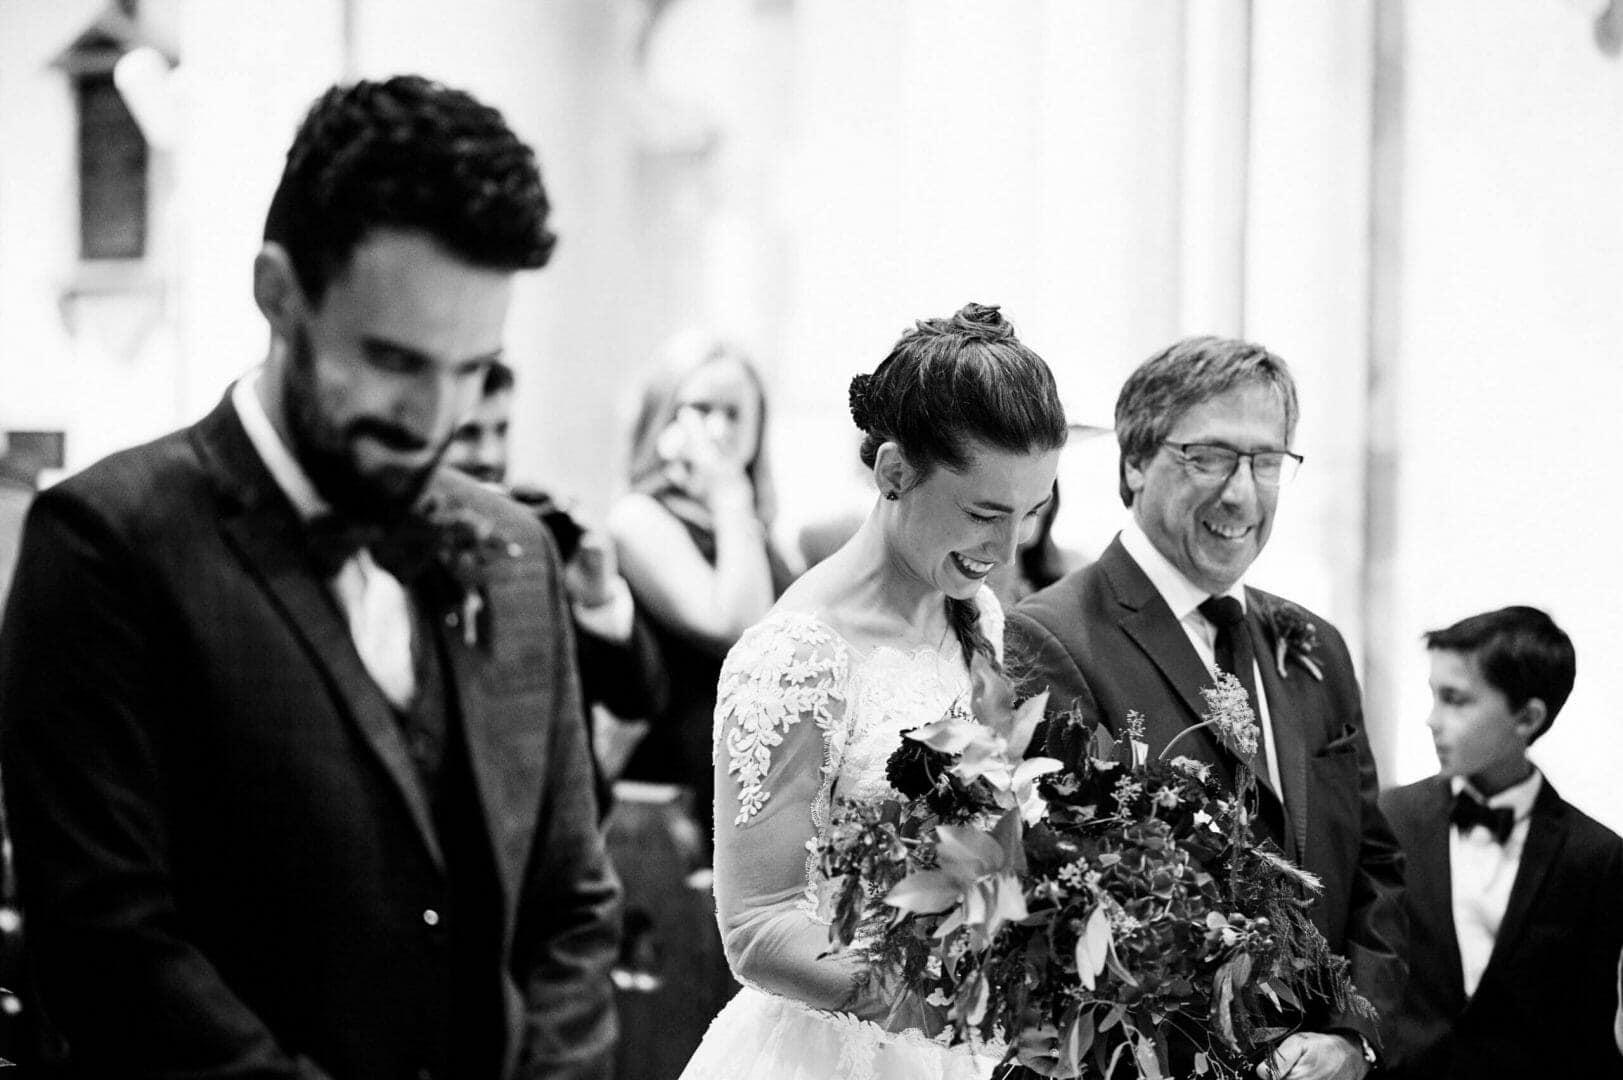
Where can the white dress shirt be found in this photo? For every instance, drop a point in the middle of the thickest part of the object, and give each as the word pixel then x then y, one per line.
pixel 1185 598
pixel 1481 872
pixel 375 604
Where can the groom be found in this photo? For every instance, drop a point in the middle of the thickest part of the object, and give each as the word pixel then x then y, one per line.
pixel 293 745
pixel 1205 429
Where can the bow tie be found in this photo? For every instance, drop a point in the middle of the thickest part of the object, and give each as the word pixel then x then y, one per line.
pixel 404 549
pixel 1471 811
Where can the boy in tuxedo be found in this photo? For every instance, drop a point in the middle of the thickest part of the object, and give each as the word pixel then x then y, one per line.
pixel 1515 897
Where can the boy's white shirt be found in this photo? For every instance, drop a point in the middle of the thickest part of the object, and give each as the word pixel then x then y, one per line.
pixel 1481 873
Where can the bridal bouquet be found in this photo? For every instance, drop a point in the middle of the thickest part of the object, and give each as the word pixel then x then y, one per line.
pixel 1115 919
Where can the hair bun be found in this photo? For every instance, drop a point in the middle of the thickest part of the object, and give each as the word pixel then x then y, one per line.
pixel 861 396
pixel 983 322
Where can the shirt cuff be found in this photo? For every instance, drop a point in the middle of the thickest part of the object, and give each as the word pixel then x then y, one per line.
pixel 610 620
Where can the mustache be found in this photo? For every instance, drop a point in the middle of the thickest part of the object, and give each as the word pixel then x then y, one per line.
pixel 390 435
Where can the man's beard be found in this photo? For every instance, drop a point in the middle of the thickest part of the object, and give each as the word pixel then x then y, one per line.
pixel 325 452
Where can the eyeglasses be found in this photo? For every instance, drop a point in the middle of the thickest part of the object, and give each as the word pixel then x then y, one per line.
pixel 1214 463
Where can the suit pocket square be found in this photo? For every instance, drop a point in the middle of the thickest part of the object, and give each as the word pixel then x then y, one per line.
pixel 1345 742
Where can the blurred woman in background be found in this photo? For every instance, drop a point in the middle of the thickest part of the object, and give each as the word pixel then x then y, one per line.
pixel 692 537
pixel 692 540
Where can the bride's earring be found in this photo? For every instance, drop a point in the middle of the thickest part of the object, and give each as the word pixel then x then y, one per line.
pixel 892 496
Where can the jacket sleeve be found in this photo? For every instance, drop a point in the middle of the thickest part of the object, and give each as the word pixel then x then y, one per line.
pixel 1038 660
pixel 1377 929
pixel 568 926
pixel 628 679
pixel 81 703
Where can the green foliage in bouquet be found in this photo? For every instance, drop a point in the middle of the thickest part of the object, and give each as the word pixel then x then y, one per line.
pixel 1117 918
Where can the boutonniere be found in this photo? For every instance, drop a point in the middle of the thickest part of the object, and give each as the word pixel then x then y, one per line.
pixel 465 543
pixel 1295 638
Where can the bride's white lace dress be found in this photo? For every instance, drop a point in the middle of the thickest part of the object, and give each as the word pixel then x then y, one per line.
pixel 801 719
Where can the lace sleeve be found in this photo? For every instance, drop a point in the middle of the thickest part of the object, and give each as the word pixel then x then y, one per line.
pixel 779 711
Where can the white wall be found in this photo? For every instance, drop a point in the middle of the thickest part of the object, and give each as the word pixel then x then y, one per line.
pixel 124 350
pixel 1512 315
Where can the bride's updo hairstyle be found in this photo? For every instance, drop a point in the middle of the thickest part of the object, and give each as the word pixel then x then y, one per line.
pixel 947 385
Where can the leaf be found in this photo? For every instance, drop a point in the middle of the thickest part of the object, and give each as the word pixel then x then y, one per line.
pixel 972 1006
pixel 1149 1066
pixel 982 756
pixel 1203 1065
pixel 1078 1040
pixel 966 854
pixel 1104 744
pixel 1093 948
pixel 1007 834
pixel 975 907
pixel 1305 878
pixel 950 734
pixel 992 699
pixel 1117 967
pixel 1031 768
pixel 1038 1050
pixel 1026 719
pixel 1222 1004
pixel 1121 1048
pixel 1008 903
pixel 924 892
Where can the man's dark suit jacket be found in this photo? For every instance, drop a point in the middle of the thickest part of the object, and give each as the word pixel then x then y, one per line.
pixel 228 865
pixel 1103 641
pixel 1545 1004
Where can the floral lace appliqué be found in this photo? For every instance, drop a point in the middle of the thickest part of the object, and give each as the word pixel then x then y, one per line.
pixel 782 670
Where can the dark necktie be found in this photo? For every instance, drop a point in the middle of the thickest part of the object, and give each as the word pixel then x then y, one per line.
pixel 1235 656
pixel 405 548
pixel 1470 811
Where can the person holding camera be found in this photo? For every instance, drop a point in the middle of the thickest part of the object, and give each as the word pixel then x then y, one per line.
pixel 619 660
pixel 691 536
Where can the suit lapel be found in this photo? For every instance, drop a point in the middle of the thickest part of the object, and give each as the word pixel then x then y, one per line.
pixel 1546 834
pixel 1286 714
pixel 507 751
pixel 1431 876
pixel 508 742
pixel 264 530
pixel 1146 619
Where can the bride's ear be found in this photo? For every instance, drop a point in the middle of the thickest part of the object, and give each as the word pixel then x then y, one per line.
pixel 891 471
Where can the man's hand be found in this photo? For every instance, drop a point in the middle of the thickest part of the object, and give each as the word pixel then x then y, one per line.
pixel 1313 1055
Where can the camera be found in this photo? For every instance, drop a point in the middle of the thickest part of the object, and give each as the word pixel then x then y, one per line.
pixel 566 531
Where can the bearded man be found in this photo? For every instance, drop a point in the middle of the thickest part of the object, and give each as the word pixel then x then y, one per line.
pixel 293 741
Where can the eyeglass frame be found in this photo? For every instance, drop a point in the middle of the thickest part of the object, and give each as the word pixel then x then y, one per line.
pixel 1239 455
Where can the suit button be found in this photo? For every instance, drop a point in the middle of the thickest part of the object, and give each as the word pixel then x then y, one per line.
pixel 431 917
pixel 451 619
pixel 425 1074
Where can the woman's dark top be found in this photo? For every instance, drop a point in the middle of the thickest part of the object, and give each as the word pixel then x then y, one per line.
pixel 676 749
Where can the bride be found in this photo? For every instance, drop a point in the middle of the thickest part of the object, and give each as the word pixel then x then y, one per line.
pixel 962 429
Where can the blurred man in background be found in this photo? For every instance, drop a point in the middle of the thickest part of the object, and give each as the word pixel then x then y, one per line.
pixel 619 659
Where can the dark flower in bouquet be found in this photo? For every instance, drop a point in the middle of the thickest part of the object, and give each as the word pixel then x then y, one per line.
pixel 1117 918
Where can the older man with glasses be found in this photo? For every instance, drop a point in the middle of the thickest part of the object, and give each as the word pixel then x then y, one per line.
pixel 1205 429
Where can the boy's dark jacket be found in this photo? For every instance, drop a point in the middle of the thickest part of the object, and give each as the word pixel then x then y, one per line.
pixel 1545 1004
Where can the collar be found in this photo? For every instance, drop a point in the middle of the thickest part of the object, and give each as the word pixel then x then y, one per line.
pixel 1520 797
pixel 283 467
pixel 1181 594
